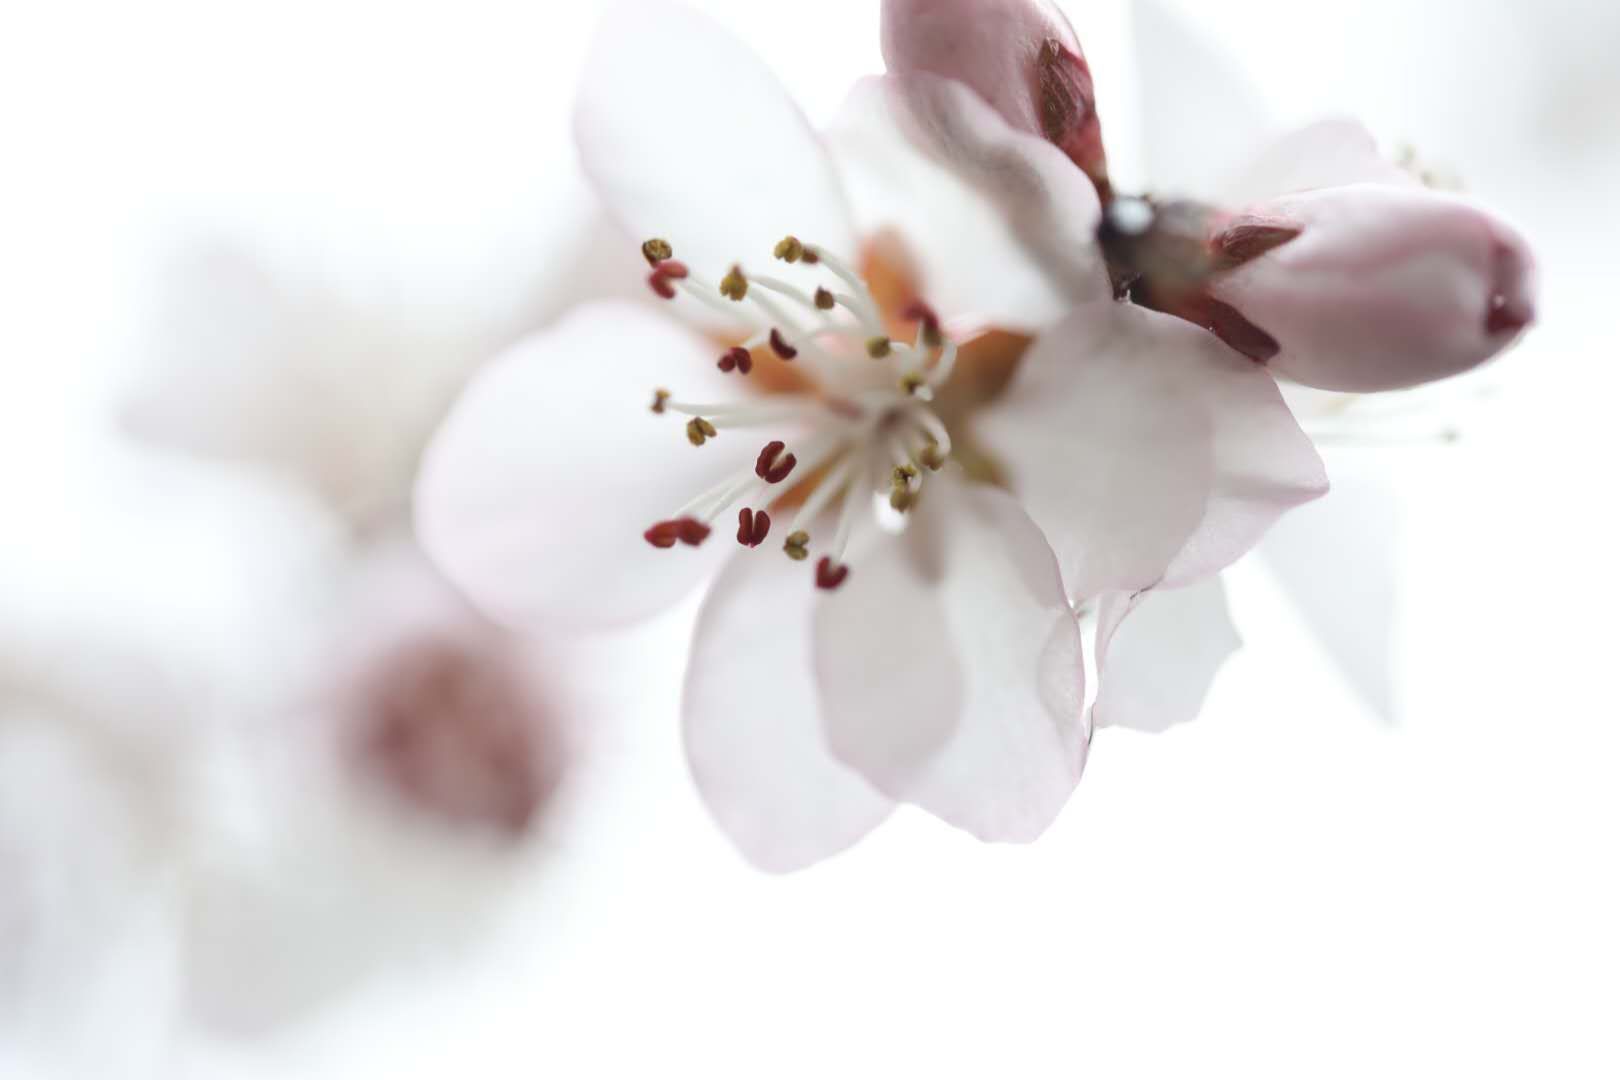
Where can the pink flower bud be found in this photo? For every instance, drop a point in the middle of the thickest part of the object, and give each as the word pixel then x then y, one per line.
pixel 1021 56
pixel 1383 287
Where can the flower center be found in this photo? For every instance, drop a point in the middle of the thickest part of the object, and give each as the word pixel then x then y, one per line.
pixel 867 429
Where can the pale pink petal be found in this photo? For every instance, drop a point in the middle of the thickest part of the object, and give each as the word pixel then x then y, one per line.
pixel 1328 153
pixel 1384 287
pixel 1020 56
pixel 1049 211
pixel 535 492
pixel 950 668
pixel 1336 561
pixel 974 260
pixel 1158 651
pixel 688 136
pixel 1141 445
pixel 754 738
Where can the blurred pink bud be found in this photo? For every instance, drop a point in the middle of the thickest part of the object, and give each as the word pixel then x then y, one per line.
pixel 1021 56
pixel 441 707
pixel 1382 287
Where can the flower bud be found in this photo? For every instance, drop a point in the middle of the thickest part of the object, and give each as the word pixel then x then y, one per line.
pixel 1382 288
pixel 1021 56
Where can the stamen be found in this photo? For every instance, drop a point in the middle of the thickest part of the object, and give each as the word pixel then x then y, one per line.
pixel 823 494
pixel 737 359
pixel 772 466
pixel 780 347
pixel 734 286
pixel 830 575
pixel 789 249
pixel 660 399
pixel 699 431
pixel 938 436
pixel 662 276
pixel 797 545
pixel 686 530
pixel 902 496
pixel 867 306
pixel 656 251
pixel 915 384
pixel 879 347
pixel 753 526
pixel 825 300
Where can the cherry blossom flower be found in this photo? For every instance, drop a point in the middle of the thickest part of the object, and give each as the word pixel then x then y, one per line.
pixel 931 426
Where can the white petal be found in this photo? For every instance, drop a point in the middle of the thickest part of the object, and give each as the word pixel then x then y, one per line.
pixel 753 735
pixel 950 666
pixel 1141 445
pixel 688 136
pixel 536 490
pixel 1158 651
pixel 972 261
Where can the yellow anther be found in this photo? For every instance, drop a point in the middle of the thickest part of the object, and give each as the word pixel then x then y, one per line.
pixel 797 545
pixel 912 382
pixel 699 430
pixel 656 251
pixel 902 499
pixel 788 249
pixel 734 286
pixel 930 458
pixel 903 475
pixel 825 300
pixel 879 347
pixel 660 396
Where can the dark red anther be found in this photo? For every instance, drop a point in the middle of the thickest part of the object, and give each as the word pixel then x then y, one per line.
pixel 772 465
pixel 767 457
pixel 737 359
pixel 665 272
pixel 779 472
pixel 780 347
pixel 830 575
pixel 666 534
pixel 753 526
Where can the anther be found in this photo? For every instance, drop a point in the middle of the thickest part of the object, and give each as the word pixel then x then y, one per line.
pixel 919 312
pixel 772 465
pixel 789 249
pixel 825 301
pixel 660 396
pixel 666 534
pixel 913 382
pixel 656 251
pixel 780 347
pixel 737 358
pixel 734 286
pixel 663 273
pixel 753 526
pixel 931 458
pixel 879 347
pixel 830 575
pixel 699 430
pixel 797 545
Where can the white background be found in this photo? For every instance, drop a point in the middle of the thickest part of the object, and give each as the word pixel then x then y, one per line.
pixel 1293 886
